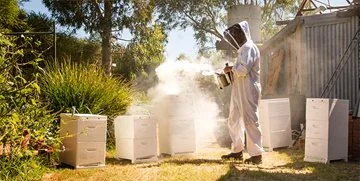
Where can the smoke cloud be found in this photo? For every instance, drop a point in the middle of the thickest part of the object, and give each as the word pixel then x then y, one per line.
pixel 179 91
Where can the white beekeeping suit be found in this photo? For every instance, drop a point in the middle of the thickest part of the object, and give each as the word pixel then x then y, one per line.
pixel 245 95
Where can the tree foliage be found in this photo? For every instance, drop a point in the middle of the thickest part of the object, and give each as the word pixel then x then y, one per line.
pixel 41 43
pixel 105 17
pixel 207 18
pixel 274 10
pixel 9 10
pixel 85 51
pixel 140 57
pixel 68 47
pixel 204 16
pixel 11 15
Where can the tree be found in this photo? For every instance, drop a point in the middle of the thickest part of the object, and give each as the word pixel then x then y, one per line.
pixel 77 49
pixel 68 47
pixel 204 16
pixel 207 17
pixel 9 10
pixel 44 43
pixel 105 17
pixel 140 57
pixel 12 16
pixel 14 19
pixel 273 10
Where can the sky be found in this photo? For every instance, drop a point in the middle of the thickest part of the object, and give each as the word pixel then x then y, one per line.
pixel 179 41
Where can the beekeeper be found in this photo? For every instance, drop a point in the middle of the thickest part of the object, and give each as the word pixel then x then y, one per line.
pixel 245 94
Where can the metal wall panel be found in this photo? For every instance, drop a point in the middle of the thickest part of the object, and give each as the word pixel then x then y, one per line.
pixel 326 38
pixel 312 53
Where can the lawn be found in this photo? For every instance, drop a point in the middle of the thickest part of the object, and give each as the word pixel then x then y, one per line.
pixel 281 164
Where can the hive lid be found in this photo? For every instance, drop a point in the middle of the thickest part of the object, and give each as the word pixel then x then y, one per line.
pixel 77 116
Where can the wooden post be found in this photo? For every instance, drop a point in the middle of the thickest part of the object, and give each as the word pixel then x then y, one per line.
pixel 274 72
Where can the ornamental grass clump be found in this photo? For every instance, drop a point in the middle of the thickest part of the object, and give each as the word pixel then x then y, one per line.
pixel 87 89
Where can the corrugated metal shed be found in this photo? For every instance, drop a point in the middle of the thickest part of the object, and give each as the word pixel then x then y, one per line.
pixel 326 39
pixel 301 58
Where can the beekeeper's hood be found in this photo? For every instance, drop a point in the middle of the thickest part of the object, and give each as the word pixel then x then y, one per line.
pixel 246 29
pixel 238 34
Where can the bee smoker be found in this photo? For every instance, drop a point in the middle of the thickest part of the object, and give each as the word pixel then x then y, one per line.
pixel 224 80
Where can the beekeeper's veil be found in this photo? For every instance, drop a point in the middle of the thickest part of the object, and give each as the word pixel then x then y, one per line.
pixel 238 34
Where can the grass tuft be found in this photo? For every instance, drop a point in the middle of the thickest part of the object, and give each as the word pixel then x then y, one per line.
pixel 85 87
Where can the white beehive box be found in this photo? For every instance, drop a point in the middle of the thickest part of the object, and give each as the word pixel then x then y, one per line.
pixel 326 130
pixel 274 115
pixel 176 105
pixel 135 137
pixel 84 139
pixel 176 125
pixel 177 135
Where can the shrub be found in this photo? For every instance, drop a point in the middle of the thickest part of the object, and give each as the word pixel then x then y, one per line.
pixel 26 126
pixel 23 167
pixel 86 88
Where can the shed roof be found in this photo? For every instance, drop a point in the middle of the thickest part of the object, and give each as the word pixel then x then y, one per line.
pixel 298 21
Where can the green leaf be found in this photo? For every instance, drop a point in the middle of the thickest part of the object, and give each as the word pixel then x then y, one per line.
pixel 15 117
pixel 33 102
pixel 36 87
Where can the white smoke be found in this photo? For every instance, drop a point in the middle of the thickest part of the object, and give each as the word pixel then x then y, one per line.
pixel 178 79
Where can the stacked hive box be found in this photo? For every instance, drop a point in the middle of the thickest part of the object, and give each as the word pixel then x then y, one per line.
pixel 176 125
pixel 84 139
pixel 275 122
pixel 326 136
pixel 136 138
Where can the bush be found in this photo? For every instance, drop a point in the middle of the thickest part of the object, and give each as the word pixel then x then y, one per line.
pixel 24 167
pixel 26 126
pixel 86 88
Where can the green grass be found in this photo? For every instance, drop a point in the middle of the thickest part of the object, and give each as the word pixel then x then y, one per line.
pixel 284 164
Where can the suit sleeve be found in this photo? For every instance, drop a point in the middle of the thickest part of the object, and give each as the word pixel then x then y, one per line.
pixel 245 62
